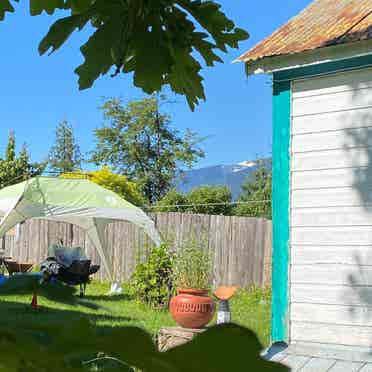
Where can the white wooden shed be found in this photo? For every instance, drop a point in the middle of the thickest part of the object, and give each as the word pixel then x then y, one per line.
pixel 321 63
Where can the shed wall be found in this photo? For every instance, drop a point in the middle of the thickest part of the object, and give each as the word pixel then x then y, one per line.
pixel 331 209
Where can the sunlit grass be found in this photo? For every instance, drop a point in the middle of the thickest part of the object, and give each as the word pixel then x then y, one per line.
pixel 249 308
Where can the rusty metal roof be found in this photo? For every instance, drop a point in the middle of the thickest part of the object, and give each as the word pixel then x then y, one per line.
pixel 323 23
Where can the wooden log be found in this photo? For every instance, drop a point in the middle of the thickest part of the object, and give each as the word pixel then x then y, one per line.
pixel 171 337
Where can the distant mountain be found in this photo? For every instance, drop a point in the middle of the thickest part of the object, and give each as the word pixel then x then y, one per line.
pixel 232 176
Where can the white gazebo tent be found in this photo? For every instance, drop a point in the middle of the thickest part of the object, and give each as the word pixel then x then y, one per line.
pixel 76 201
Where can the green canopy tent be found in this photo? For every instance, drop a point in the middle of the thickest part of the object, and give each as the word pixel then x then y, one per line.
pixel 76 201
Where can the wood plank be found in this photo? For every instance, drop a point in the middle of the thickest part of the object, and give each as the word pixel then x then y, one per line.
pixel 331 159
pixel 345 366
pixel 366 368
pixel 352 235
pixel 332 334
pixel 342 177
pixel 333 314
pixel 331 294
pixel 318 365
pixel 332 273
pixel 341 139
pixel 345 100
pixel 340 254
pixel 333 83
pixel 332 121
pixel 295 362
pixel 331 216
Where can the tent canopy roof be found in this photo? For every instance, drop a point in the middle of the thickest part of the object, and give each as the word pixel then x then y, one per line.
pixel 76 193
pixel 76 201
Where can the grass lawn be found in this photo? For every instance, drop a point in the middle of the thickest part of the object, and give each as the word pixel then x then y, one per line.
pixel 249 308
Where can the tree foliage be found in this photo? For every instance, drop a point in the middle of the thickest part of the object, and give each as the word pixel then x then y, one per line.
pixel 137 141
pixel 117 183
pixel 15 169
pixel 212 200
pixel 257 193
pixel 173 201
pixel 65 155
pixel 154 40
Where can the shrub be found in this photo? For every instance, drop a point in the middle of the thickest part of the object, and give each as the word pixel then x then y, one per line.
pixel 193 264
pixel 152 280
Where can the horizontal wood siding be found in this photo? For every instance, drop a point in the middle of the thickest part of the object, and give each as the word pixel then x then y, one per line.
pixel 331 210
pixel 240 246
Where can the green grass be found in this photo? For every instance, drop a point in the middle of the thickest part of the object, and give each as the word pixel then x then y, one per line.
pixel 249 308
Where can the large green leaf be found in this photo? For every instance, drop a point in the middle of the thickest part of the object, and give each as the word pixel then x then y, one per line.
pixel 49 6
pixel 5 6
pixel 154 40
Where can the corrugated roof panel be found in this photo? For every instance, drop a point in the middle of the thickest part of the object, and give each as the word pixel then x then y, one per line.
pixel 323 23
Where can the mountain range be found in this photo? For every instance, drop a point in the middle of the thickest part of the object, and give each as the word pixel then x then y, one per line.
pixel 232 176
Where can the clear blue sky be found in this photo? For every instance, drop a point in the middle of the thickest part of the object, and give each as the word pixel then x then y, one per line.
pixel 38 92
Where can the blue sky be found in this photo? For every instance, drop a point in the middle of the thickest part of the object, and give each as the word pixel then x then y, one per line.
pixel 38 92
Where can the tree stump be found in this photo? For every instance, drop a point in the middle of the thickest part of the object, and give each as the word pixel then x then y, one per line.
pixel 171 337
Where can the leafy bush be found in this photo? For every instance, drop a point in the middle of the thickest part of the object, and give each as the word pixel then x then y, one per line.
pixel 193 264
pixel 152 280
pixel 170 202
pixel 212 200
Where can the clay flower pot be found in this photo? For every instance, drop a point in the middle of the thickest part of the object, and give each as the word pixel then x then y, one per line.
pixel 192 308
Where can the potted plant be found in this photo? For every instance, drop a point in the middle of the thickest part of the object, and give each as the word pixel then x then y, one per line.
pixel 192 307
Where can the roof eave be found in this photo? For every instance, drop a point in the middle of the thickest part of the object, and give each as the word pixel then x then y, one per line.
pixel 267 65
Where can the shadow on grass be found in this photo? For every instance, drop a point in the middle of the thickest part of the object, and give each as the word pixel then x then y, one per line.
pixel 16 314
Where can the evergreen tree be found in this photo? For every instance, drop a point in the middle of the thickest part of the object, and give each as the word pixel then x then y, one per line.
pixel 15 169
pixel 256 194
pixel 65 155
pixel 10 152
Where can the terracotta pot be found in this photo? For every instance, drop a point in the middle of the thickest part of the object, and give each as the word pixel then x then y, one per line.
pixel 192 308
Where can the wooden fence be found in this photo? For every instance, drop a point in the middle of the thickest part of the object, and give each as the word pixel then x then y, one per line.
pixel 240 246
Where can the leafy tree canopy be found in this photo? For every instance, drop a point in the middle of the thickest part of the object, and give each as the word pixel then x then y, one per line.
pixel 137 141
pixel 256 193
pixel 115 182
pixel 65 155
pixel 156 40
pixel 15 169
pixel 213 200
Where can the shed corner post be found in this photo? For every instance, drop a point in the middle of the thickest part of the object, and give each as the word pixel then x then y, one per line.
pixel 281 208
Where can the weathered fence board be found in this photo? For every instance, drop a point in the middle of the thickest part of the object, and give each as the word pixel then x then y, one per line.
pixel 240 246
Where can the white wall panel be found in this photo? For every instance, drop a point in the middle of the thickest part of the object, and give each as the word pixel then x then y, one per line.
pixel 331 209
pixel 348 235
pixel 333 121
pixel 340 139
pixel 340 314
pixel 336 254
pixel 332 216
pixel 333 159
pixel 331 294
pixel 341 101
pixel 334 83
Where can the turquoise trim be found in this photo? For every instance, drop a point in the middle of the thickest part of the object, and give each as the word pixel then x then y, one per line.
pixel 281 174
pixel 324 68
pixel 281 182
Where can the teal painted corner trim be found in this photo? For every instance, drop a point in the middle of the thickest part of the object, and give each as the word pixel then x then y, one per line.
pixel 323 68
pixel 281 175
